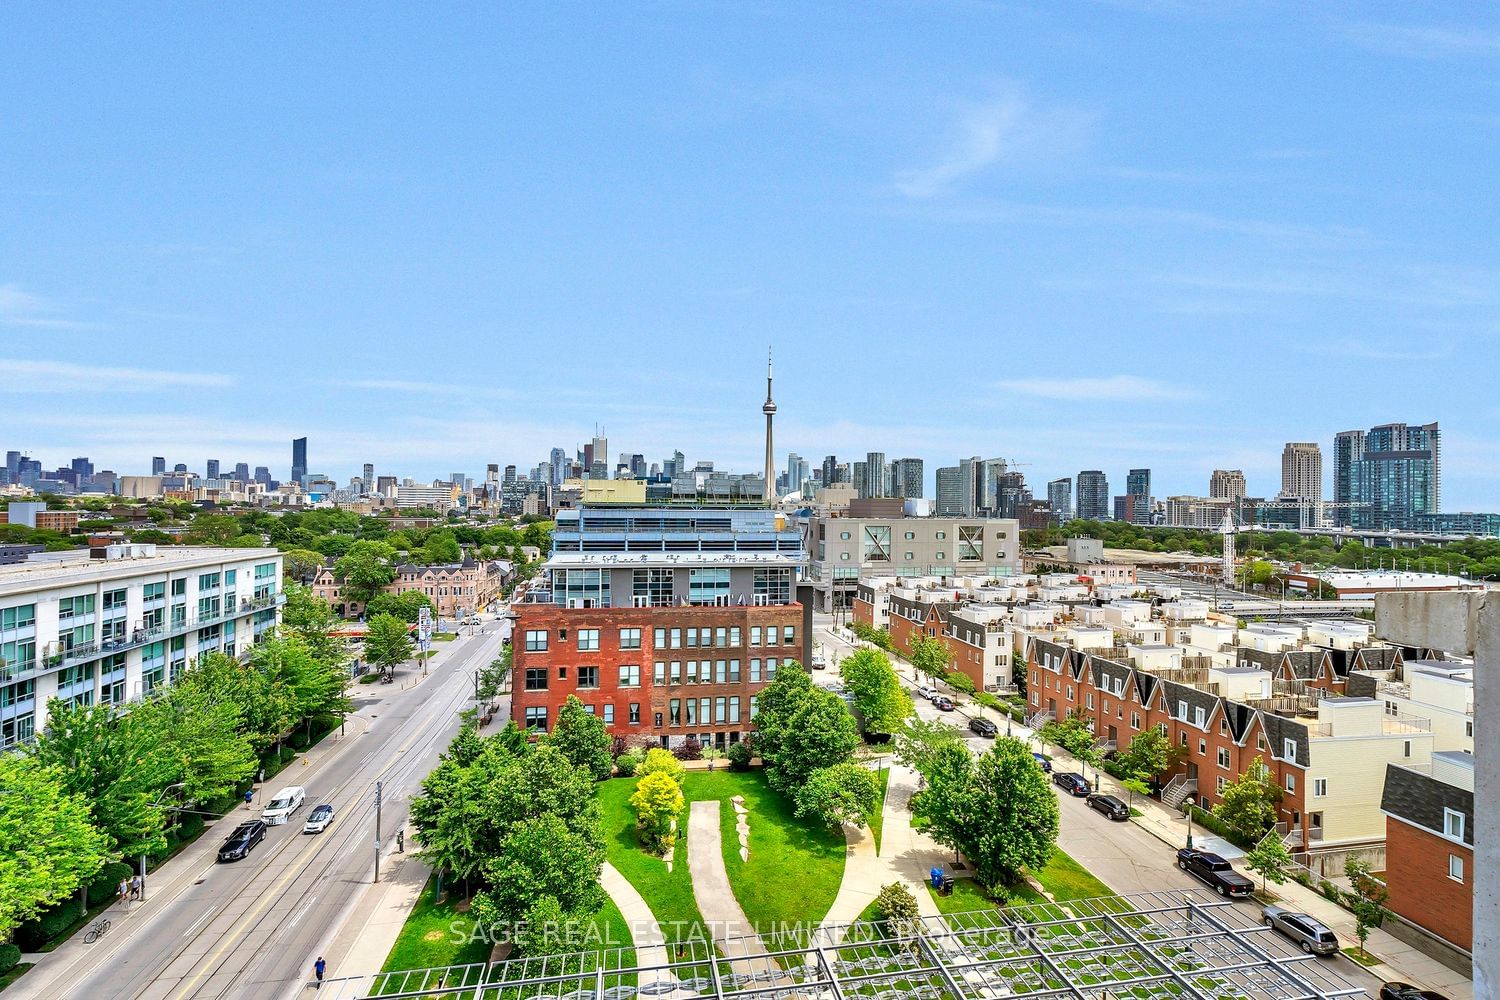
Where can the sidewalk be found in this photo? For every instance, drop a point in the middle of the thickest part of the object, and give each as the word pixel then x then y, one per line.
pixel 384 909
pixel 732 931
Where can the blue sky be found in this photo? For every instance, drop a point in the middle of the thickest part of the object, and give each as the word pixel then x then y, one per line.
pixel 1076 235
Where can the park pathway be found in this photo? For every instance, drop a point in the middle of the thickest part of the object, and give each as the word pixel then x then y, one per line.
pixel 650 942
pixel 731 929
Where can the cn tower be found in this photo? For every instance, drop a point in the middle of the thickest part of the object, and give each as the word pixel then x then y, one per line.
pixel 769 409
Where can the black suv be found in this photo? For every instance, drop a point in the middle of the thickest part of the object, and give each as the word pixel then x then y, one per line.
pixel 983 726
pixel 1073 783
pixel 1214 872
pixel 1109 806
pixel 239 843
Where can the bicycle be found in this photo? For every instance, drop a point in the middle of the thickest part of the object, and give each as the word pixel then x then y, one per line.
pixel 96 932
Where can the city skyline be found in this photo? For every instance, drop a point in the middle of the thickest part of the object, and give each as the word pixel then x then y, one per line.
pixel 1096 266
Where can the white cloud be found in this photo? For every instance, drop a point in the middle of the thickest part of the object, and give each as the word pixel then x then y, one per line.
pixel 60 376
pixel 1426 41
pixel 1112 389
pixel 1004 130
pixel 21 308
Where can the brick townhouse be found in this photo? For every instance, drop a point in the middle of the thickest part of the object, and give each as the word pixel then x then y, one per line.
pixel 1429 868
pixel 454 588
pixel 666 621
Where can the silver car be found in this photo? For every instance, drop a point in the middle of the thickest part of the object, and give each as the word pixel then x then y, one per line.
pixel 1311 935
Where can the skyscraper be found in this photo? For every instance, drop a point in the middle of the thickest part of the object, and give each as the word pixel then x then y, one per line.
pixel 211 469
pixel 1138 489
pixel 769 409
pixel 367 476
pixel 1226 484
pixel 598 457
pixel 875 475
pixel 158 466
pixel 830 470
pixel 1093 495
pixel 972 486
pixel 509 475
pixel 1348 449
pixel 263 475
pixel 1302 480
pixel 989 495
pixel 907 478
pixel 299 459
pixel 950 492
pixel 242 471
pixel 82 467
pixel 1060 498
pixel 859 479
pixel 1398 476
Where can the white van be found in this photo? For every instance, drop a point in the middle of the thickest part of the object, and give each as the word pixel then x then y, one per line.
pixel 283 804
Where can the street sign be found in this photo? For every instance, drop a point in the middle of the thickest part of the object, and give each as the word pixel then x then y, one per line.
pixel 424 625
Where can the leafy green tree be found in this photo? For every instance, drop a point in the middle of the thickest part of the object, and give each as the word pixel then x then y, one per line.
pixel 495 677
pixel 882 702
pixel 1270 859
pixel 920 741
pixel 1135 786
pixel 898 908
pixel 1150 754
pixel 582 738
pixel 657 801
pixel 512 788
pixel 446 819
pixel 801 728
pixel 300 564
pixel 311 620
pixel 843 793
pixel 1366 902
pixel 541 857
pixel 49 846
pixel 387 642
pixel 930 657
pixel 365 569
pixel 213 529
pixel 1248 804
pixel 662 761
pixel 115 765
pixel 1074 734
pixel 998 810
pixel 441 548
pixel 406 605
pixel 200 740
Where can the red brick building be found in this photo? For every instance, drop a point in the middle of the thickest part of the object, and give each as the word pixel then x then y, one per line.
pixel 1429 838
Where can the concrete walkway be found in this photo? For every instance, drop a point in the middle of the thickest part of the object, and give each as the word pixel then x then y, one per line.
pixel 732 931
pixel 650 942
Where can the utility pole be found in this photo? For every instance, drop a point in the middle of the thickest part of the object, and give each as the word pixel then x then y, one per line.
pixel 377 830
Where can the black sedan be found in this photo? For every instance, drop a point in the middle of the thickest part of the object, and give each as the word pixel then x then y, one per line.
pixel 1109 806
pixel 1406 991
pixel 244 838
pixel 1073 783
pixel 1043 763
pixel 983 726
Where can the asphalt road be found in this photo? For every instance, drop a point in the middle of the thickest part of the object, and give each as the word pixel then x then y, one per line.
pixel 1123 855
pixel 252 928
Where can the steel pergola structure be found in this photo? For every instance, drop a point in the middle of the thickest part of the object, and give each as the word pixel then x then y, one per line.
pixel 1177 945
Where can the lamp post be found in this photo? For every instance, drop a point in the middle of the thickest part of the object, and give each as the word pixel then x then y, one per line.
pixel 142 863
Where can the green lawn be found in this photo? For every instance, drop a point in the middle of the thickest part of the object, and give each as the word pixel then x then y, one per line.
pixel 968 895
pixel 608 929
pixel 1067 879
pixel 426 940
pixel 877 821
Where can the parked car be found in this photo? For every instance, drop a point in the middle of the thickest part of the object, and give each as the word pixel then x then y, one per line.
pixel 944 703
pixel 819 661
pixel 1109 806
pixel 1214 872
pixel 242 840
pixel 1406 991
pixel 1073 783
pixel 1310 934
pixel 283 804
pixel 984 727
pixel 318 819
pixel 923 691
pixel 1043 763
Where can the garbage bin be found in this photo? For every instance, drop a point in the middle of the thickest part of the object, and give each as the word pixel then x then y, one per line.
pixel 935 876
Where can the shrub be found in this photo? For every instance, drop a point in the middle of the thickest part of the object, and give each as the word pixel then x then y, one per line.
pixel 189 826
pixel 108 882
pixel 739 755
pixel 36 934
pixel 10 957
pixel 664 761
pixel 1330 891
pixel 628 763
pixel 898 908
pixel 689 749
pixel 657 802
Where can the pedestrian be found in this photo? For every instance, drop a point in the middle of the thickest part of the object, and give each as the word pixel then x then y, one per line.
pixel 135 887
pixel 124 890
pixel 400 841
pixel 320 967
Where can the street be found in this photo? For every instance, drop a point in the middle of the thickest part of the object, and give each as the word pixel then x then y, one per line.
pixel 254 927
pixel 1125 856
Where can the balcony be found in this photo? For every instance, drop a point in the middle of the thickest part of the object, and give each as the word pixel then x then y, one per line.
pixel 1390 725
pixel 53 658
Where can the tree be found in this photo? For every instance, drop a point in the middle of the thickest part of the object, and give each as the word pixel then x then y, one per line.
pixel 1248 804
pixel 1134 786
pixel 657 801
pixel 495 678
pixel 898 908
pixel 115 765
pixel 881 701
pixel 801 728
pixel 49 848
pixel 311 619
pixel 1270 858
pixel 583 739
pixel 1150 754
pixel 930 656
pixel 843 793
pixel 213 529
pixel 301 564
pixel 365 569
pixel 441 548
pixel 406 605
pixel 663 761
pixel 998 810
pixel 201 739
pixel 387 642
pixel 920 741
pixel 541 857
pixel 1367 901
pixel 1074 734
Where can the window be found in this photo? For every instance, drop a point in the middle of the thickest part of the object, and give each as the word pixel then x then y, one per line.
pixel 753 706
pixel 630 675
pixel 23 616
pixel 1455 868
pixel 692 712
pixel 721 671
pixel 1289 749
pixel 1224 757
pixel 661 638
pixel 692 671
pixel 208 581
pixel 755 635
pixel 1202 747
pixel 609 714
pixel 676 671
pixel 72 607
pixel 562 673
pixel 877 543
pixel 771 668
pixel 771 635
pixel 1320 787
pixel 677 638
pixel 659 672
pixel 755 671
pixel 652 588
pixel 970 543
pixel 734 671
pixel 734 710
pixel 692 638
pixel 1135 720
pixel 630 638
pixel 1453 824
pixel 536 678
pixel 940 535
pixel 1088 699
pixel 1291 782
pixel 536 641
pixel 941 555
pixel 179 587
pixel 789 635
pixel 709 585
pixel 1220 783
pixel 114 600
pixel 588 640
pixel 773 586
pixel 843 536
pixel 635 713
pixel 1406 748
pixel 536 717
pixel 721 709
pixel 734 636
pixel 674 711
